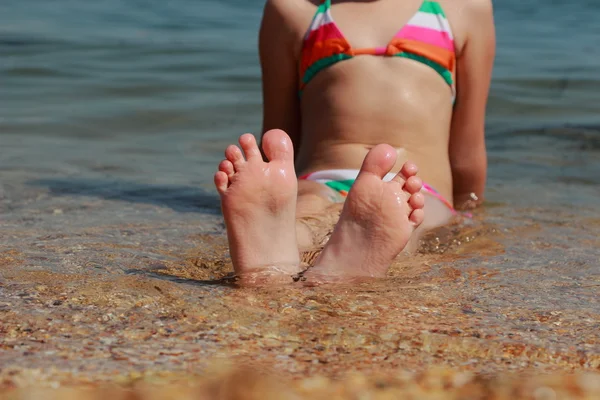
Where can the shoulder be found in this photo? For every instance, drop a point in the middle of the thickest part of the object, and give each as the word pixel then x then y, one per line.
pixel 478 11
pixel 287 21
pixel 480 17
pixel 293 13
pixel 468 19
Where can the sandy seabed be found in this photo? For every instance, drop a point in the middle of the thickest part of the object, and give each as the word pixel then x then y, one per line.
pixel 97 305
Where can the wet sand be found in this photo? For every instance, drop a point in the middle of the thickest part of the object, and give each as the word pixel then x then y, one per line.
pixel 487 306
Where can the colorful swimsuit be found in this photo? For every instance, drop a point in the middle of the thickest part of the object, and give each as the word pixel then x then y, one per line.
pixel 341 180
pixel 426 38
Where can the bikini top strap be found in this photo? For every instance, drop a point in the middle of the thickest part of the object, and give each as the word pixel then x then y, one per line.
pixel 327 4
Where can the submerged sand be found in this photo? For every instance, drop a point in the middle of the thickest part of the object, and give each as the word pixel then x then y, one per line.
pixel 502 306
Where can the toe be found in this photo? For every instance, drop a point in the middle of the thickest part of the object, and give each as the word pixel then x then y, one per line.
pixel 278 145
pixel 227 167
pixel 417 217
pixel 221 181
pixel 379 160
pixel 248 143
pixel 235 156
pixel 409 169
pixel 413 185
pixel 416 201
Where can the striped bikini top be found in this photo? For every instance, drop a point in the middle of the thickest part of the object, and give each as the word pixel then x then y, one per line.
pixel 426 38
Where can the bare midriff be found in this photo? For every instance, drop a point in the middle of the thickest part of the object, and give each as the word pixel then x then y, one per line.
pixel 356 104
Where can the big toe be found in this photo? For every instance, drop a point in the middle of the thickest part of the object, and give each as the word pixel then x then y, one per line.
pixel 379 160
pixel 277 145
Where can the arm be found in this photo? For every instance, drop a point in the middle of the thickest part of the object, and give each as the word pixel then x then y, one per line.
pixel 279 66
pixel 467 150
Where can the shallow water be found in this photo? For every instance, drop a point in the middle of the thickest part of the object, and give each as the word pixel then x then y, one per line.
pixel 113 116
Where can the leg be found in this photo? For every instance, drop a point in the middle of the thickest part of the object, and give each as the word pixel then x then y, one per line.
pixel 377 220
pixel 317 211
pixel 436 214
pixel 259 204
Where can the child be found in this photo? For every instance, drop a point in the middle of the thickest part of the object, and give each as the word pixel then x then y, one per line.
pixel 338 87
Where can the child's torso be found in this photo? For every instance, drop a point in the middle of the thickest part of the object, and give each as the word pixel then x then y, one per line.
pixel 360 100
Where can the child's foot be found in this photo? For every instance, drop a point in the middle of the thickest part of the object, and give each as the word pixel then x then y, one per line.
pixel 259 204
pixel 376 223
